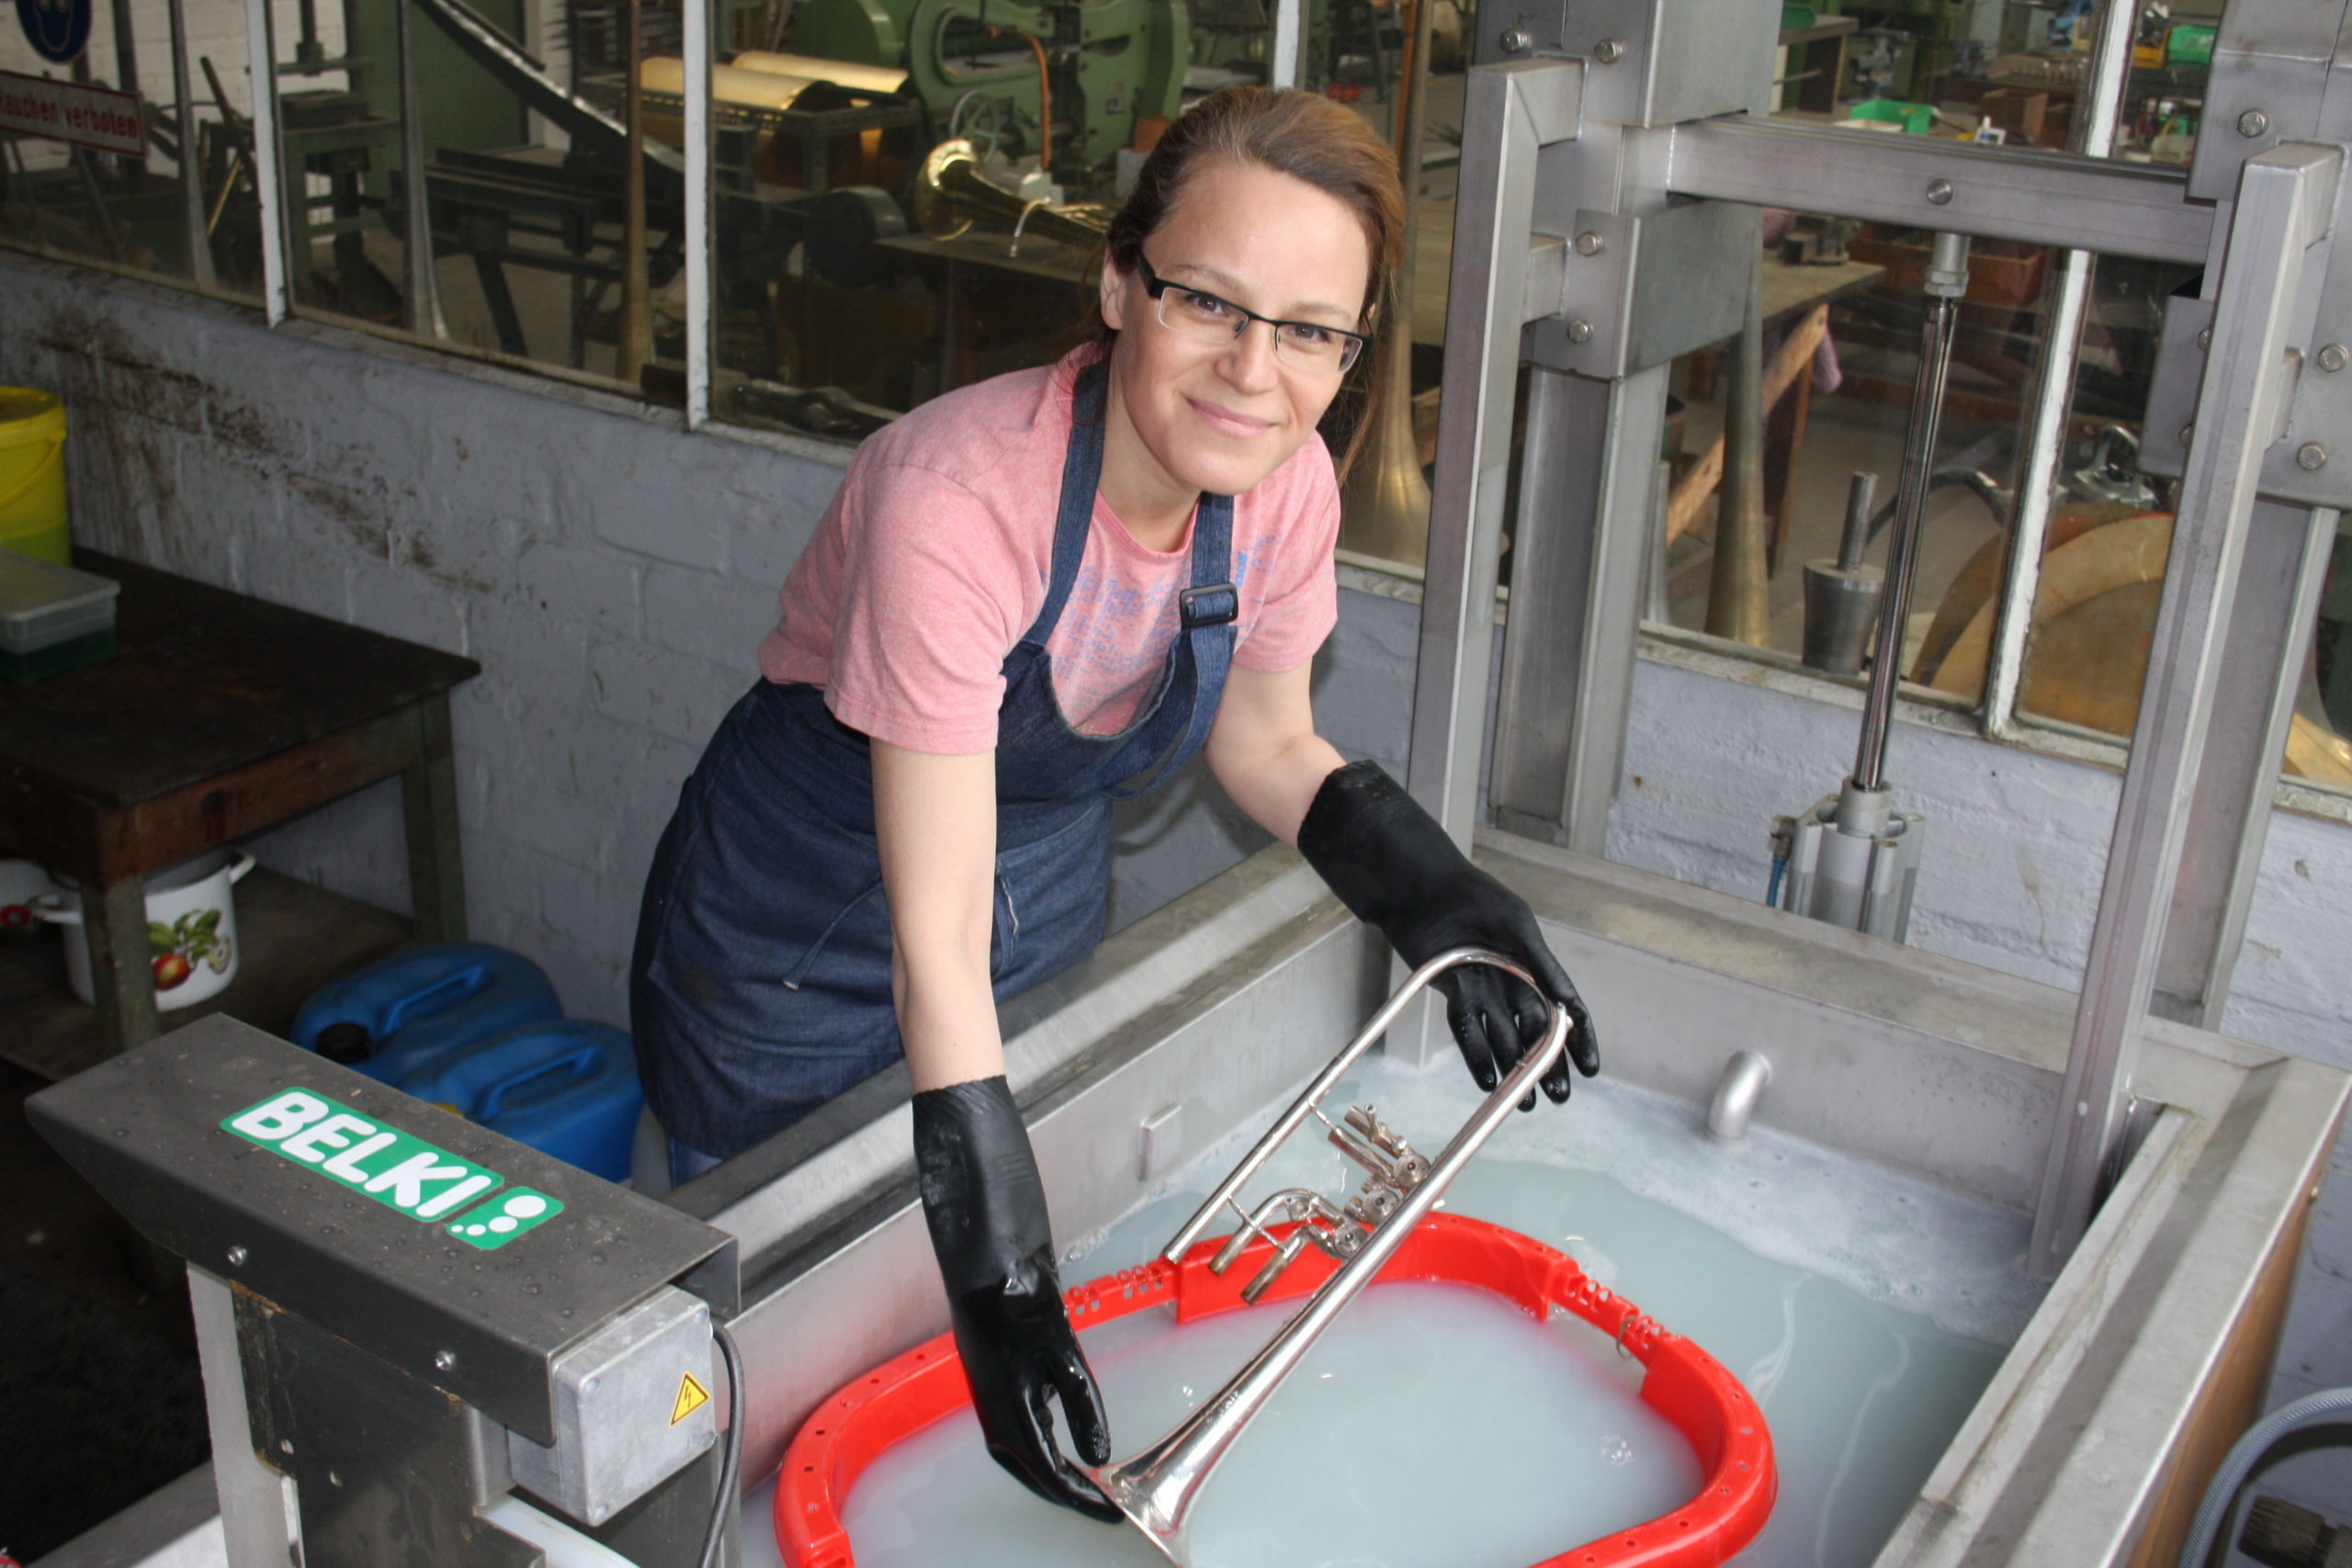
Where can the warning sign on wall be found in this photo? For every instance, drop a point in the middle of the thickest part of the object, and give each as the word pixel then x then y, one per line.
pixel 98 118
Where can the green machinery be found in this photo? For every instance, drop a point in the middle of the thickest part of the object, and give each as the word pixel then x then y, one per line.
pixel 1083 72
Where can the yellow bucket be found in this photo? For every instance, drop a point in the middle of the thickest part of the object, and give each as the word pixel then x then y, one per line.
pixel 32 474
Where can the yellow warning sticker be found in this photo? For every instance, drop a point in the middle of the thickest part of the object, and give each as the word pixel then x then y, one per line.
pixel 692 1396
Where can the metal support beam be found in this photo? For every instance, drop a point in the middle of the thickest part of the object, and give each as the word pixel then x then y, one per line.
pixel 2000 192
pixel 2284 208
pixel 2254 700
pixel 191 177
pixel 269 189
pixel 699 243
pixel 1512 112
pixel 1588 487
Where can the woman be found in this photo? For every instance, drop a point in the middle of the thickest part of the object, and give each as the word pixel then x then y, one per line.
pixel 1031 597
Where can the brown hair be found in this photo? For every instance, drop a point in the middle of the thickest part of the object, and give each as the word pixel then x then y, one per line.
pixel 1309 137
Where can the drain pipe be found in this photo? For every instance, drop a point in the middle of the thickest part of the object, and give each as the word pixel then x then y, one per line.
pixel 2328 1407
pixel 1737 1094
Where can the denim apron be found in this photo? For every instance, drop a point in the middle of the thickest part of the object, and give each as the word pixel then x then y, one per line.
pixel 761 983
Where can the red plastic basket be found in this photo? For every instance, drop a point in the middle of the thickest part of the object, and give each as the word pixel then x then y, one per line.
pixel 1681 1382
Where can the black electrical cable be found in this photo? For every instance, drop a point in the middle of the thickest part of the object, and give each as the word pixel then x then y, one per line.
pixel 731 1450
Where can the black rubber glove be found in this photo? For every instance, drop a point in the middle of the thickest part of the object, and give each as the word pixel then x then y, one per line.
pixel 987 1212
pixel 1394 867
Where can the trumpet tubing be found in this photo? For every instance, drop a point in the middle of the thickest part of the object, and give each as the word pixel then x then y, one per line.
pixel 1156 1489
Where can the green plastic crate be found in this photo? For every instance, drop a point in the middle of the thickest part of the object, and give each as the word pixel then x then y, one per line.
pixel 1914 119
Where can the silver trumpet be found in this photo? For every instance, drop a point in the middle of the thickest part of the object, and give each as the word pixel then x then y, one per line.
pixel 1156 1489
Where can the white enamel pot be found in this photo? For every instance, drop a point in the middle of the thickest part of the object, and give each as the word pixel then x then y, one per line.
pixel 191 928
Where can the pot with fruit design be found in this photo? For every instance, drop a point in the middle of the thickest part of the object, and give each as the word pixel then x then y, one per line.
pixel 191 928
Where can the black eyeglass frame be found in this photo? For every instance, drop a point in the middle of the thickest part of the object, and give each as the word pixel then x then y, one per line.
pixel 1156 285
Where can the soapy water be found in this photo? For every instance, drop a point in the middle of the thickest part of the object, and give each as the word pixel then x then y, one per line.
pixel 1420 1402
pixel 1865 1308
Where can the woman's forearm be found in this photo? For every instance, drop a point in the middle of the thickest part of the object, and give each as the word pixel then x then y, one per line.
pixel 1265 751
pixel 934 824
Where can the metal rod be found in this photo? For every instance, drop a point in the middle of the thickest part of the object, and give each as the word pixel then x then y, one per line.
pixel 1947 281
pixel 1736 603
pixel 420 296
pixel 133 171
pixel 699 241
pixel 192 225
pixel 1157 1487
pixel 2050 399
pixel 269 193
pixel 635 334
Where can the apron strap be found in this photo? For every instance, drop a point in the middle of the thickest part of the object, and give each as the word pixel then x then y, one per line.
pixel 1081 474
pixel 1207 610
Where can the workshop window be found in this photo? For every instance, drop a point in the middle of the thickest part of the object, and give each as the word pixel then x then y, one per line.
pixel 1842 308
pixel 158 175
pixel 531 241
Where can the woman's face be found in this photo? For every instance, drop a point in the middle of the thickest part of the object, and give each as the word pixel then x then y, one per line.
pixel 1188 416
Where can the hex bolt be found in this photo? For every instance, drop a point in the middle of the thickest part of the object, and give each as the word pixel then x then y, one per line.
pixel 1516 40
pixel 2253 122
pixel 2310 457
pixel 444 1361
pixel 2333 357
pixel 2205 338
pixel 1588 243
pixel 2186 432
pixel 236 1257
pixel 1608 52
pixel 286 1445
pixel 1579 330
pixel 1940 193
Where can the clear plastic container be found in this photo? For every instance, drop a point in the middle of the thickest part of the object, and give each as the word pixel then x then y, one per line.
pixel 42 605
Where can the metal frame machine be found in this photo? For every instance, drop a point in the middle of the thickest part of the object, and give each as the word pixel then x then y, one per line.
pixel 1614 152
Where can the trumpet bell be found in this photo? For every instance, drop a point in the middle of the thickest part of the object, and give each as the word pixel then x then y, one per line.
pixel 954 194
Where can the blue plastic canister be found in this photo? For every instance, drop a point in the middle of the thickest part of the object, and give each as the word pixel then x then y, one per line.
pixel 565 1088
pixel 401 1014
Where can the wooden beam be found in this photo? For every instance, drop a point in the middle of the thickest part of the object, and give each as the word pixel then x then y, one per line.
pixel 1795 355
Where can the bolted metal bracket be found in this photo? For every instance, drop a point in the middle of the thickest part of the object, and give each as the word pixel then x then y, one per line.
pixel 1642 291
pixel 2300 458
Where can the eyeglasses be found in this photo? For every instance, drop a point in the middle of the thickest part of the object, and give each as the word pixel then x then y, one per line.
pixel 1204 317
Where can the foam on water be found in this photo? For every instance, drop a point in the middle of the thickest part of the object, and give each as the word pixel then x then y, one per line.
pixel 1865 1308
pixel 1420 1397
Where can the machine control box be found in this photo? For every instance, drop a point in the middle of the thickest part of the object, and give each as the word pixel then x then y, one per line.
pixel 465 1260
pixel 633 1406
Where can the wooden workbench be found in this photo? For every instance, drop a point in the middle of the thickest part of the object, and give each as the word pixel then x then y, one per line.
pixel 221 716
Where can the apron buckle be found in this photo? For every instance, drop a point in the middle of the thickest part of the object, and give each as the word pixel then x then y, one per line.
pixel 1211 605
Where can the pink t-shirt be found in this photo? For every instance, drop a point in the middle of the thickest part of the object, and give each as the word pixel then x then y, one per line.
pixel 934 560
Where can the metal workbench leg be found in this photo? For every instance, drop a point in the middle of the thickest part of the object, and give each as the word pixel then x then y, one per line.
pixel 2283 209
pixel 2254 700
pixel 436 880
pixel 122 980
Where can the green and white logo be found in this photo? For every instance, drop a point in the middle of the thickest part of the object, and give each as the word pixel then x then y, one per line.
pixel 396 1169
